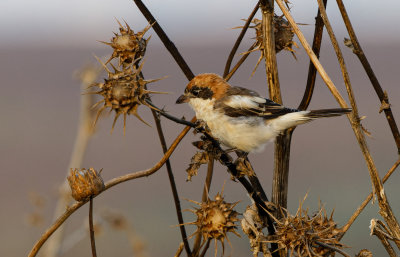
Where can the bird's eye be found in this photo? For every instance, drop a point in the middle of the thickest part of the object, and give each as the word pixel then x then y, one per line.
pixel 196 92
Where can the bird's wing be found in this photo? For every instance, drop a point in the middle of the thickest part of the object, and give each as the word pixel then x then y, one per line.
pixel 244 102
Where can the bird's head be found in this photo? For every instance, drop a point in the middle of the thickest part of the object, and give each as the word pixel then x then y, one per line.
pixel 204 86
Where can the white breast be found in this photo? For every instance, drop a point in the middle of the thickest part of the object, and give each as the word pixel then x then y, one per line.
pixel 246 134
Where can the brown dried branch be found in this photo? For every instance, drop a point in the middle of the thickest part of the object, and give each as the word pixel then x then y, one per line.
pixel 172 182
pixel 371 75
pixel 312 71
pixel 366 201
pixel 240 62
pixel 385 208
pixel 166 41
pixel 91 229
pixel 239 40
pixel 113 182
pixel 378 229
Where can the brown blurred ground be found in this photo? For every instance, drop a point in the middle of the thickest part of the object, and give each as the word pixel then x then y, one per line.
pixel 39 114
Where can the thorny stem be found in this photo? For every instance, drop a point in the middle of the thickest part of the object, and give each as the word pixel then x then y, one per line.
pixel 113 182
pixel 312 71
pixel 384 206
pixel 172 183
pixel 239 40
pixel 91 229
pixel 166 41
pixel 371 75
pixel 366 201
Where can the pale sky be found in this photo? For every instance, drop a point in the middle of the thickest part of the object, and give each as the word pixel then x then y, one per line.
pixel 82 22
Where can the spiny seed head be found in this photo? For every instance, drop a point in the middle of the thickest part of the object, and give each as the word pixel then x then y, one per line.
pixel 215 218
pixel 85 183
pixel 283 34
pixel 127 45
pixel 123 91
pixel 301 233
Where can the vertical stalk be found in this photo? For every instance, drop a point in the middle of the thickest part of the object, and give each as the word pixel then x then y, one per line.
pixel 91 229
pixel 282 142
pixel 172 183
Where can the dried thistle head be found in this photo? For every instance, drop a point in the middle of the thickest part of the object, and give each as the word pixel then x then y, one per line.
pixel 85 183
pixel 123 91
pixel 127 45
pixel 302 235
pixel 283 34
pixel 215 218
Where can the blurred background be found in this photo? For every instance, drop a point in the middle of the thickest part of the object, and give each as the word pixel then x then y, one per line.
pixel 45 42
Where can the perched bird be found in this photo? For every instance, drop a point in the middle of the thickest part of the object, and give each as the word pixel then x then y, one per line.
pixel 240 118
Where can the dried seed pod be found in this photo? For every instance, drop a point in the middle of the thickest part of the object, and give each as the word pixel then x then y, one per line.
pixel 85 183
pixel 215 218
pixel 302 235
pixel 123 92
pixel 283 34
pixel 127 45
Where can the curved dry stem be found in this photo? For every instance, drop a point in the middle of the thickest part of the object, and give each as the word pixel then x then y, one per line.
pixel 312 71
pixel 239 40
pixel 366 201
pixel 113 182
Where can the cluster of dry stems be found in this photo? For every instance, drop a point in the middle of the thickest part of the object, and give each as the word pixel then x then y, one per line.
pixel 270 228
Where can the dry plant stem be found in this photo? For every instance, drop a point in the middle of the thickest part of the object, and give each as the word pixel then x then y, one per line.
pixel 239 63
pixel 203 253
pixel 113 182
pixel 172 183
pixel 85 131
pixel 371 75
pixel 267 10
pixel 312 71
pixel 239 40
pixel 366 201
pixel 91 229
pixel 375 230
pixel 281 171
pixel 385 208
pixel 179 251
pixel 332 248
pixel 166 41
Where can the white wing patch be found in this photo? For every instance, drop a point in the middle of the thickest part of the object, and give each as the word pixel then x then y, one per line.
pixel 244 101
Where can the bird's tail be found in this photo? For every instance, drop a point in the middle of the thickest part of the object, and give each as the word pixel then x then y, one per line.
pixel 314 114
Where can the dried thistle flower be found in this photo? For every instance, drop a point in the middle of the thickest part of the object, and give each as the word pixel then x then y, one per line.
pixel 123 91
pixel 283 34
pixel 85 183
pixel 215 218
pixel 302 235
pixel 127 45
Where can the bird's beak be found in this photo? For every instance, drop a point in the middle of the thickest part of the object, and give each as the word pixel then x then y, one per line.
pixel 182 99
